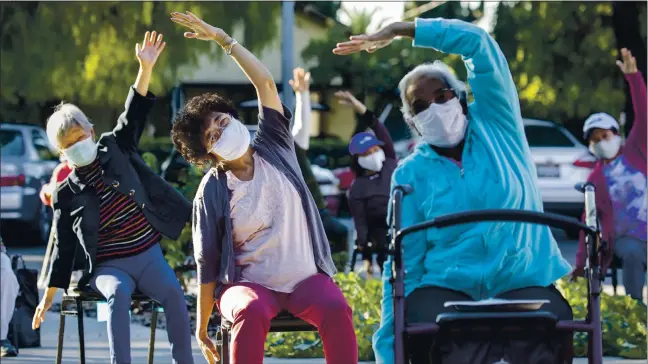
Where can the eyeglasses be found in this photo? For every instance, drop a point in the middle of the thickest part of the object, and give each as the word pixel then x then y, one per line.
pixel 440 96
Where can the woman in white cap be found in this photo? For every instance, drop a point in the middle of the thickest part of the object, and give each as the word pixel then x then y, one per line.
pixel 620 180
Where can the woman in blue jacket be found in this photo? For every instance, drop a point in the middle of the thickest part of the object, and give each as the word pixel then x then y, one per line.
pixel 473 156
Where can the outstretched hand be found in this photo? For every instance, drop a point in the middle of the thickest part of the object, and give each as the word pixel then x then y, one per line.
pixel 629 64
pixel 151 48
pixel 346 98
pixel 199 28
pixel 301 80
pixel 375 41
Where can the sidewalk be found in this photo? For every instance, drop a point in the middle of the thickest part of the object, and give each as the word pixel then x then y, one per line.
pixel 97 346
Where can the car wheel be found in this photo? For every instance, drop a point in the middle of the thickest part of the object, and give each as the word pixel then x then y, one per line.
pixel 41 227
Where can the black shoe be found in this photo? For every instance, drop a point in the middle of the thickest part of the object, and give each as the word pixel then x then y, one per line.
pixel 7 350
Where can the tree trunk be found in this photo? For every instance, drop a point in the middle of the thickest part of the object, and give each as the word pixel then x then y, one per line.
pixel 628 35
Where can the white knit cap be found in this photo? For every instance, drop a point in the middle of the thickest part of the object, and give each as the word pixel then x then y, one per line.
pixel 599 120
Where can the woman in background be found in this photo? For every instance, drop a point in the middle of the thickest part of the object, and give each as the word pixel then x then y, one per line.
pixel 620 180
pixel 373 163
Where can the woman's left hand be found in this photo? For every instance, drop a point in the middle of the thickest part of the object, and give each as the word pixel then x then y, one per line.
pixel 629 64
pixel 151 48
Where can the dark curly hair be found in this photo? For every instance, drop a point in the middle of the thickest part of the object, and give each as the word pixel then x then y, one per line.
pixel 189 125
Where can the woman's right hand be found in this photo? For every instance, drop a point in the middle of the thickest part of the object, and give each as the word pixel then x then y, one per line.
pixel 39 315
pixel 200 29
pixel 375 41
pixel 577 272
pixel 207 347
pixel 346 98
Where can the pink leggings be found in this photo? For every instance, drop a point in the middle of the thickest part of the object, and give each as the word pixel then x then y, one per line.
pixel 317 300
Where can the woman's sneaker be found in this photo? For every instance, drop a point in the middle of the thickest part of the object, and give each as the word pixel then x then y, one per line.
pixel 7 350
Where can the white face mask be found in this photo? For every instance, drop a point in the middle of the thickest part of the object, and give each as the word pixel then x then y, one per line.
pixel 233 142
pixel 81 153
pixel 373 161
pixel 606 148
pixel 442 125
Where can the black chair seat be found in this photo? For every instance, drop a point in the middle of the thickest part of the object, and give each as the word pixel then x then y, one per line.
pixel 501 317
pixel 89 294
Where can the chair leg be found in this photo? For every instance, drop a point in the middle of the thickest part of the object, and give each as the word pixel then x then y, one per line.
pixel 80 315
pixel 61 334
pixel 353 259
pixel 225 357
pixel 615 280
pixel 154 317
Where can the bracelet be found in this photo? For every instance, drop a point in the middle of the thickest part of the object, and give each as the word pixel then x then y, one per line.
pixel 228 47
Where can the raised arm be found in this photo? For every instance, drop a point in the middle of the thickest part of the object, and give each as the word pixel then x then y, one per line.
pixel 489 76
pixel 302 126
pixel 637 139
pixel 274 118
pixel 490 79
pixel 139 101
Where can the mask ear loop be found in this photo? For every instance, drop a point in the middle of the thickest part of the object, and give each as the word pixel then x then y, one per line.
pixel 410 121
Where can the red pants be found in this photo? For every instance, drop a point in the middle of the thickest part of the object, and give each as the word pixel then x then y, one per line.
pixel 317 300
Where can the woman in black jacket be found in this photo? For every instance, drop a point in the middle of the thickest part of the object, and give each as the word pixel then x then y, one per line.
pixel 373 162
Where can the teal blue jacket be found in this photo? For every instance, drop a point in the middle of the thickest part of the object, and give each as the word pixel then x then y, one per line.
pixel 479 259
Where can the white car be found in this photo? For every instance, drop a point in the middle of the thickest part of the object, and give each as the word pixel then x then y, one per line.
pixel 561 162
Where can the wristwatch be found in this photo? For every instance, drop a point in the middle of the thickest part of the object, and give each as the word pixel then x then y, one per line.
pixel 228 47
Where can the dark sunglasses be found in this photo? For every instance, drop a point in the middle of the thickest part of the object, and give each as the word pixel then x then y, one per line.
pixel 440 96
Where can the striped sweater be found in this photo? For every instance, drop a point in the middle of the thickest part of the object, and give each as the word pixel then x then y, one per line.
pixel 123 228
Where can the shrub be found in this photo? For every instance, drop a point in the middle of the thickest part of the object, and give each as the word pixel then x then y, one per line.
pixel 364 298
pixel 623 319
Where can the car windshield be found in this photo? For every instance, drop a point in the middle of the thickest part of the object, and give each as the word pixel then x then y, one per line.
pixel 12 143
pixel 546 136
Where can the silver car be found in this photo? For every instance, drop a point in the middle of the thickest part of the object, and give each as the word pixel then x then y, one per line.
pixel 27 163
pixel 559 158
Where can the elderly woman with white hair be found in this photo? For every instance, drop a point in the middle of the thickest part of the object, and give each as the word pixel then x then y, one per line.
pixel 110 213
pixel 473 156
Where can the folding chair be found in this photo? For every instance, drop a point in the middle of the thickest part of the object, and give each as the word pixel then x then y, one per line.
pixel 75 298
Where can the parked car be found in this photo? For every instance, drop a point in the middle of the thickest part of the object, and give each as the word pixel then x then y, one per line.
pixel 561 161
pixel 28 160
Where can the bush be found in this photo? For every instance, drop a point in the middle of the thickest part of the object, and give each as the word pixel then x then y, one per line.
pixel 364 298
pixel 623 319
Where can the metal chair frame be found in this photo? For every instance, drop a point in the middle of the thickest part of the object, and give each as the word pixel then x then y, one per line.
pixel 76 300
pixel 595 249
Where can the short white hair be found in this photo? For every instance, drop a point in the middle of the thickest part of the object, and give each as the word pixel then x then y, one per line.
pixel 64 118
pixel 437 69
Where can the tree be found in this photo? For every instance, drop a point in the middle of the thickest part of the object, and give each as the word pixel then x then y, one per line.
pixel 562 57
pixel 84 51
